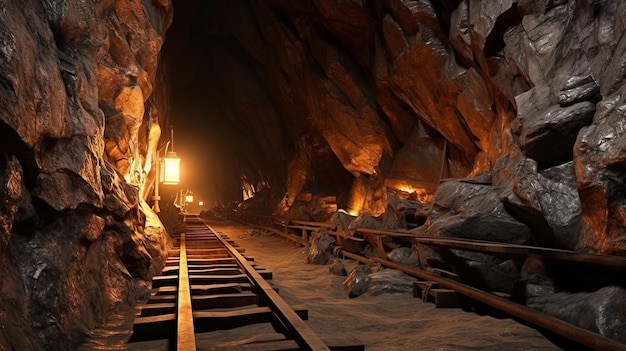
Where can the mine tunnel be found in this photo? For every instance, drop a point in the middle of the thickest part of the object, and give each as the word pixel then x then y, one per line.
pixel 432 174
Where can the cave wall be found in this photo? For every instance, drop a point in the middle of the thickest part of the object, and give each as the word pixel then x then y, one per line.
pixel 404 94
pixel 490 120
pixel 322 105
pixel 77 110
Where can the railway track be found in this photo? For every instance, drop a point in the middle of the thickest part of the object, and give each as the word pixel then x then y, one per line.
pixel 208 286
pixel 449 283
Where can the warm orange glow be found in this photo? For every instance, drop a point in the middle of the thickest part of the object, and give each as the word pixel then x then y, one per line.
pixel 170 172
pixel 200 203
pixel 421 191
pixel 189 198
pixel 421 194
pixel 354 211
pixel 355 206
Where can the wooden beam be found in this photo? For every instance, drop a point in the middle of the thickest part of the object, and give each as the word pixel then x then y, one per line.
pixel 612 261
pixel 186 337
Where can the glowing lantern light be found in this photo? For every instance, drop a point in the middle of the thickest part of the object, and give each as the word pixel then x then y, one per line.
pixel 170 172
pixel 189 198
pixel 200 203
pixel 171 169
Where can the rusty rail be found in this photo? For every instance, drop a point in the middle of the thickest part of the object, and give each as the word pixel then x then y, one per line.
pixel 208 286
pixel 560 327
pixel 300 331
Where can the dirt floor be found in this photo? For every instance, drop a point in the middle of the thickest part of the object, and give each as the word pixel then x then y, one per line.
pixel 383 322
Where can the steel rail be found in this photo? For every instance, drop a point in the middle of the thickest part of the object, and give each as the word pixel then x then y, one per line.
pixel 301 332
pixel 580 335
pixel 185 335
pixel 577 334
pixel 609 261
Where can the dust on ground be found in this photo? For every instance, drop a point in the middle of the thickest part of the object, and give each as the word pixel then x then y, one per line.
pixel 383 322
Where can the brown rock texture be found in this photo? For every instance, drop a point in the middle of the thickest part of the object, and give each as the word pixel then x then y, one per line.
pixel 520 102
pixel 397 95
pixel 309 107
pixel 76 83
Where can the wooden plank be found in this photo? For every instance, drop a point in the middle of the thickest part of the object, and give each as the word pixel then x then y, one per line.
pixel 161 299
pixel 315 224
pixel 212 265
pixel 231 268
pixel 205 261
pixel 166 290
pixel 218 279
pixel 430 291
pixel 267 275
pixel 278 345
pixel 421 254
pixel 186 337
pixel 153 345
pixel 204 302
pixel 204 257
pixel 445 298
pixel 154 327
pixel 380 247
pixel 215 271
pixel 164 280
pixel 219 320
pixel 209 289
pixel 154 309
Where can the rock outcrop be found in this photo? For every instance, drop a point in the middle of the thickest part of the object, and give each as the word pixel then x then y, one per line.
pixel 77 240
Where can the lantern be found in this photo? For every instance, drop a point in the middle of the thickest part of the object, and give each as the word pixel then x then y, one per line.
pixel 170 172
pixel 189 198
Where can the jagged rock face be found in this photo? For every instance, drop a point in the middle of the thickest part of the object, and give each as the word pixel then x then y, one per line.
pixel 404 93
pixel 75 114
pixel 520 101
pixel 312 106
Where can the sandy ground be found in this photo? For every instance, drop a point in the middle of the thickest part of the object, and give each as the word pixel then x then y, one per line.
pixel 384 322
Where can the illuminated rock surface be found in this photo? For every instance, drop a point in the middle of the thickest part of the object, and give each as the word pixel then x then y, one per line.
pixel 76 80
pixel 356 100
pixel 309 107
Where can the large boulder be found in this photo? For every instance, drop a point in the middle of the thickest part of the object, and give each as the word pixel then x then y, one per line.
pixel 550 135
pixel 599 157
pixel 602 311
pixel 472 209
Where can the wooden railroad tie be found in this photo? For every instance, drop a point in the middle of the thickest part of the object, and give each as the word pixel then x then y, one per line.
pixel 430 291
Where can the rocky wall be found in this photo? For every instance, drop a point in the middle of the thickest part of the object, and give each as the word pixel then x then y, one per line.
pixel 404 93
pixel 504 117
pixel 77 240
